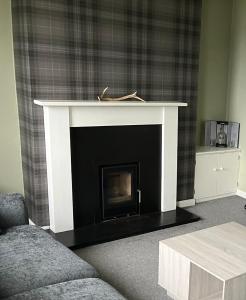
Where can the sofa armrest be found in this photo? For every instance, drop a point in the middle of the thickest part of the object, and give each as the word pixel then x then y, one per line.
pixel 13 211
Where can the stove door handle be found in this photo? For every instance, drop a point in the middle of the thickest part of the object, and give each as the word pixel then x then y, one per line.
pixel 139 196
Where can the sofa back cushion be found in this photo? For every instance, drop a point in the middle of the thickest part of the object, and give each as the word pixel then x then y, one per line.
pixel 12 210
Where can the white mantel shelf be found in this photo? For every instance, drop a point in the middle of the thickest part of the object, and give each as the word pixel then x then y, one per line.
pixel 109 103
pixel 61 115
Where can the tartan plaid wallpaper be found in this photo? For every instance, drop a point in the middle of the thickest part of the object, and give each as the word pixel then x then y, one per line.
pixel 72 49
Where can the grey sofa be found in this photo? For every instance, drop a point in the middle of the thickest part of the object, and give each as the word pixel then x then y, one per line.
pixel 33 265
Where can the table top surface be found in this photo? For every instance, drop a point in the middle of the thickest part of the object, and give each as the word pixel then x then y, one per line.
pixel 201 150
pixel 219 250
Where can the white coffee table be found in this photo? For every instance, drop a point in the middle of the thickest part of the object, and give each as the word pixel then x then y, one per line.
pixel 209 264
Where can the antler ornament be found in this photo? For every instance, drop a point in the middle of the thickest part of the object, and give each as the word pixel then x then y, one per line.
pixel 127 97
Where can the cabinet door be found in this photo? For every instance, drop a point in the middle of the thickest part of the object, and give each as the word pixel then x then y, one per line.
pixel 228 167
pixel 206 176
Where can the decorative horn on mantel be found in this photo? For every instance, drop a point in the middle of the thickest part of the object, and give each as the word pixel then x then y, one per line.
pixel 130 97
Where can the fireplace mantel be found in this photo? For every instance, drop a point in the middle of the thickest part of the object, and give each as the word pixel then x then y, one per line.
pixel 108 103
pixel 60 115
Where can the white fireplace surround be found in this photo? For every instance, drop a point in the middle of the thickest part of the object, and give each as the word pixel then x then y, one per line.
pixel 60 115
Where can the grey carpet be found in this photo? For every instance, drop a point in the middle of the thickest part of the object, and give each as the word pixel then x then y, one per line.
pixel 131 264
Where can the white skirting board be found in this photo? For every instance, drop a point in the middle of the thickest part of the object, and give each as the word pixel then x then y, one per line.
pixel 215 197
pixel 241 194
pixel 186 203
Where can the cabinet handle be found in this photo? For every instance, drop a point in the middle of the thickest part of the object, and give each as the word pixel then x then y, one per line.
pixel 215 169
pixel 221 168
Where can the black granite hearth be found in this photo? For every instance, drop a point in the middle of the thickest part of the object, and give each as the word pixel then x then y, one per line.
pixel 123 227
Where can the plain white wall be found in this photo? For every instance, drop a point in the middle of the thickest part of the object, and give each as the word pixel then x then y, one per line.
pixel 236 108
pixel 213 63
pixel 10 152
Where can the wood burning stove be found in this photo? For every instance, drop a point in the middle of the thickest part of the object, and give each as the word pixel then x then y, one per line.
pixel 119 190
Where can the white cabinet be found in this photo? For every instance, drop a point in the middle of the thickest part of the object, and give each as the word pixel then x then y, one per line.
pixel 216 172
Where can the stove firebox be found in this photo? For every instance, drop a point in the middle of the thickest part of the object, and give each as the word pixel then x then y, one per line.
pixel 120 195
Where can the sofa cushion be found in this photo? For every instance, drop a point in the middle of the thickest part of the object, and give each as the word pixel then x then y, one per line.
pixel 31 258
pixel 81 289
pixel 12 210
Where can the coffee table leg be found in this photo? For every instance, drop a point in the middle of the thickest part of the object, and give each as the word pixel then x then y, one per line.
pixel 174 273
pixel 235 288
pixel 171 295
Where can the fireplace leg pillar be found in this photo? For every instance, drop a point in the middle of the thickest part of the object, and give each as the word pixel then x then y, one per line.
pixel 169 159
pixel 58 157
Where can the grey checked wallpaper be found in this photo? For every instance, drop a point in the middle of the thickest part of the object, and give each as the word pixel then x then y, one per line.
pixel 73 49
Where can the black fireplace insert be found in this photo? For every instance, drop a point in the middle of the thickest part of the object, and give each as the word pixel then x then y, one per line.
pixel 110 166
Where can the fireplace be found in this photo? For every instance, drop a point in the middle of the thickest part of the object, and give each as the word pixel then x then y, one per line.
pixel 69 197
pixel 120 194
pixel 91 147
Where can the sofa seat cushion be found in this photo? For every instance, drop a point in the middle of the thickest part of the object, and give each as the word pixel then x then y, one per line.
pixel 31 258
pixel 81 289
